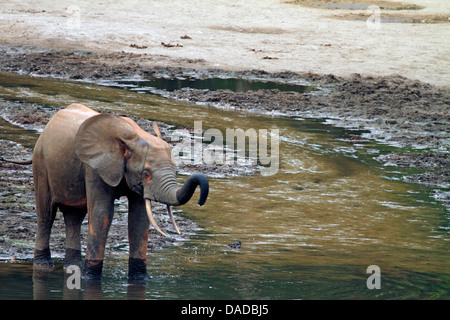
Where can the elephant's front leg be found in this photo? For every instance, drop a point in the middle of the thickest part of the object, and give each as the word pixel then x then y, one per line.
pixel 138 225
pixel 73 218
pixel 100 204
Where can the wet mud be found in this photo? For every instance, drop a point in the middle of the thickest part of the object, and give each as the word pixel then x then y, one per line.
pixel 408 114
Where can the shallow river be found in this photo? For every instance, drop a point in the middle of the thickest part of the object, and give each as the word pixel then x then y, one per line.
pixel 310 231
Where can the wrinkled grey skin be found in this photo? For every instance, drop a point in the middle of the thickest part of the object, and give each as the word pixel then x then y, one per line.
pixel 82 161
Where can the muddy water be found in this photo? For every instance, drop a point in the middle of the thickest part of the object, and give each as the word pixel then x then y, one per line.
pixel 308 232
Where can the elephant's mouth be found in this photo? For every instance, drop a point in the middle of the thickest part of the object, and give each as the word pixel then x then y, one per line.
pixel 148 208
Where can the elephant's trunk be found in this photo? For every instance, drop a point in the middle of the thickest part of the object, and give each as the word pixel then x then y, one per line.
pixel 168 193
pixel 185 193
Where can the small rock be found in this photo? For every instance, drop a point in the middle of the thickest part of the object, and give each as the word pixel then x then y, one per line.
pixel 235 245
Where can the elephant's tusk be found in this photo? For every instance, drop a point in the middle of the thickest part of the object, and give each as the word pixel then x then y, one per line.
pixel 148 208
pixel 173 220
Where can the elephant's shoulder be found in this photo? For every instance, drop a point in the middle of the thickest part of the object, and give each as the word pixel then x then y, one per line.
pixel 71 117
pixel 75 112
pixel 81 108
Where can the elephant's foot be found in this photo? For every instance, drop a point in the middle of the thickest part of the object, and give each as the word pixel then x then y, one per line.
pixel 73 257
pixel 93 269
pixel 42 260
pixel 137 269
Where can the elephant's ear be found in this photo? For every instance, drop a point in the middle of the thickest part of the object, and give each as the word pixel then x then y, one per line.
pixel 101 143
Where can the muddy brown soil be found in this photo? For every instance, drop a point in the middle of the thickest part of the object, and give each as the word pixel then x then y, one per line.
pixel 436 167
pixel 393 109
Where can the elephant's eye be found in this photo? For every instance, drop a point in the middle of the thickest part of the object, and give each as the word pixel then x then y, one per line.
pixel 146 176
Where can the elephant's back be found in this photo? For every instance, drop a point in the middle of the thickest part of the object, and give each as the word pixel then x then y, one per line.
pixel 54 154
pixel 70 118
pixel 60 131
pixel 66 122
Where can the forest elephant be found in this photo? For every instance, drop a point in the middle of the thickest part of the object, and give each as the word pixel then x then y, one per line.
pixel 82 162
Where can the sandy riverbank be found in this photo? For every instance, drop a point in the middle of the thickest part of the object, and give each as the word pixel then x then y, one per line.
pixel 269 35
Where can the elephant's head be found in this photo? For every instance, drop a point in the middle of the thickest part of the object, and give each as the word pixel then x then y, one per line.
pixel 116 148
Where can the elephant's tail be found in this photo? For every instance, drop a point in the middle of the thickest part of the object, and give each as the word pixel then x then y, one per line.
pixel 24 162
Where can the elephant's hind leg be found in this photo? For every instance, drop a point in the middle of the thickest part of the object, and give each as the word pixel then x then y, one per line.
pixel 46 212
pixel 42 255
pixel 73 218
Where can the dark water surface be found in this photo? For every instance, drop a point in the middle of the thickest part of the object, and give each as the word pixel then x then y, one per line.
pixel 308 232
pixel 211 84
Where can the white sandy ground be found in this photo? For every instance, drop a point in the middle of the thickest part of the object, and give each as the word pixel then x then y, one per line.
pixel 237 35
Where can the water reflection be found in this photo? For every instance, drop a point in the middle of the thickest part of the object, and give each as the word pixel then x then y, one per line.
pixel 44 288
pixel 225 278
